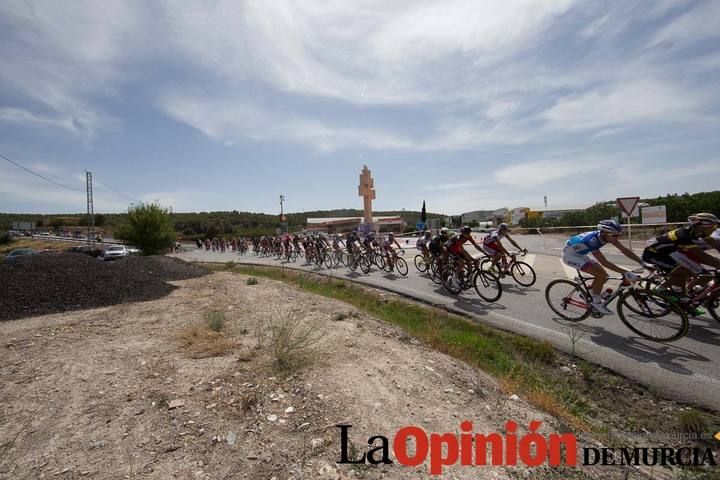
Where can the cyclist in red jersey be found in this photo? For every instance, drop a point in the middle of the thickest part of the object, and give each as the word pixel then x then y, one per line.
pixel 455 246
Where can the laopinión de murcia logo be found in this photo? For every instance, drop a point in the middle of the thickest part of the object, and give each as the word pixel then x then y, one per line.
pixel 412 446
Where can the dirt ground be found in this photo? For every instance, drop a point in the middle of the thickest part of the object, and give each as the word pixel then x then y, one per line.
pixel 88 394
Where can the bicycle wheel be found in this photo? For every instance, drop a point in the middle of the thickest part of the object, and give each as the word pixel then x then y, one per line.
pixel 568 300
pixel 336 258
pixel 379 261
pixel 365 264
pixel 434 271
pixel 342 258
pixel 660 319
pixel 420 263
pixel 487 285
pixel 401 266
pixel 327 260
pixel 523 274
pixel 352 262
pixel 451 281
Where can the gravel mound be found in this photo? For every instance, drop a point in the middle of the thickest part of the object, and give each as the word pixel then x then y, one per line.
pixel 42 284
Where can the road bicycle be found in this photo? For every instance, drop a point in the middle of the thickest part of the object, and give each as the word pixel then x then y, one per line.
pixel 400 264
pixel 455 279
pixel 647 313
pixel 520 271
pixel 703 290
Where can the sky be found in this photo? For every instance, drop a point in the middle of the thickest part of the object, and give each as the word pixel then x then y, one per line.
pixel 467 105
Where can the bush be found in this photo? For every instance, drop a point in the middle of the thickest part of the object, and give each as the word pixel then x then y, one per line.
pixel 292 340
pixel 252 281
pixel 149 228
pixel 216 321
pixel 5 238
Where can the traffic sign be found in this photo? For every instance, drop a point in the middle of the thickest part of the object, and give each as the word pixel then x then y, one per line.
pixel 655 214
pixel 420 226
pixel 629 206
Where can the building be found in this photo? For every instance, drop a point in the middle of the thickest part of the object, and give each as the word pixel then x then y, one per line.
pixel 520 213
pixel 482 216
pixel 348 224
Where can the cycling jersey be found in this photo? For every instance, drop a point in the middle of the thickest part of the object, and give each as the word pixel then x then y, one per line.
pixel 455 244
pixel 684 238
pixel 420 244
pixel 585 243
pixel 436 244
pixel 492 238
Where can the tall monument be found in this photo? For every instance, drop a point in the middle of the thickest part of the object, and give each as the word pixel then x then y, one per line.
pixel 367 191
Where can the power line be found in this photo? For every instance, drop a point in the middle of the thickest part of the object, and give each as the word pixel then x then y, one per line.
pixel 116 191
pixel 38 175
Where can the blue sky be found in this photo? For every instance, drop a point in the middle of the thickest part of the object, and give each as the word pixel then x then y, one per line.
pixel 225 105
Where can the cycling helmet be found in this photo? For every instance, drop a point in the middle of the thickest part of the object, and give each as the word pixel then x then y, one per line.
pixel 503 226
pixel 444 231
pixel 466 230
pixel 610 226
pixel 427 233
pixel 391 235
pixel 703 219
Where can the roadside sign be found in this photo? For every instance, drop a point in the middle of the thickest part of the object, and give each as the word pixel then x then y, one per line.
pixel 654 214
pixel 420 226
pixel 629 206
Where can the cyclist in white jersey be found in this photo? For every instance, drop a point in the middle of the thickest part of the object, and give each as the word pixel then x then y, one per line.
pixel 387 245
pixel 495 250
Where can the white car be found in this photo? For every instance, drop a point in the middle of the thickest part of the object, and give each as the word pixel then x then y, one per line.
pixel 114 252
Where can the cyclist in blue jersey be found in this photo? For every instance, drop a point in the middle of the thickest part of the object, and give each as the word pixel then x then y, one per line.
pixel 577 255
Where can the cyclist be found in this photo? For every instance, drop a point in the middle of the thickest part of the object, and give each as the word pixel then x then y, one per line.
pixel 351 242
pixel 368 243
pixel 455 247
pixel 576 255
pixel 422 243
pixel 494 249
pixel 336 241
pixel 387 245
pixel 679 252
pixel 437 244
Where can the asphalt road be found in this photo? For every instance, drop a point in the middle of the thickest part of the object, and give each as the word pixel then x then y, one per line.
pixel 684 370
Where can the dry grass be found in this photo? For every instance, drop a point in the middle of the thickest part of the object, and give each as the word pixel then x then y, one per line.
pixel 206 338
pixel 25 242
pixel 291 339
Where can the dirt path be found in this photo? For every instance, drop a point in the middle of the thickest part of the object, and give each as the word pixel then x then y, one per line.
pixel 86 394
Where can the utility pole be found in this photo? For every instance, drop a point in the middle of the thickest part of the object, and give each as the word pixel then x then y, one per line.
pixel 283 222
pixel 90 209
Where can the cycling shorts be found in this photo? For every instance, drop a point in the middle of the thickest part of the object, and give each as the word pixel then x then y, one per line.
pixel 576 260
pixel 670 261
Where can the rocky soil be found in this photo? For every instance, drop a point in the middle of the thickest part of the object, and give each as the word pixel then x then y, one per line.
pixel 111 393
pixel 41 284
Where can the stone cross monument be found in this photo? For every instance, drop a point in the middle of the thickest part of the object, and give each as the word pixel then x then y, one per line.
pixel 367 191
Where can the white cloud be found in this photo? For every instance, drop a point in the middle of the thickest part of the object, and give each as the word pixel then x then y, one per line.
pixel 533 174
pixel 638 101
pixel 696 25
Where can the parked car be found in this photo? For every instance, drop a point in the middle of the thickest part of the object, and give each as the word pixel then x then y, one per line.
pixel 114 252
pixel 133 251
pixel 18 252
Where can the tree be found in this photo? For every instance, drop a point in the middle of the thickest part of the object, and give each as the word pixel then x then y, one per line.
pixel 423 214
pixel 99 219
pixel 149 228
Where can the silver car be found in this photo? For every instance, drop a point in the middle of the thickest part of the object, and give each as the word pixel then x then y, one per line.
pixel 114 252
